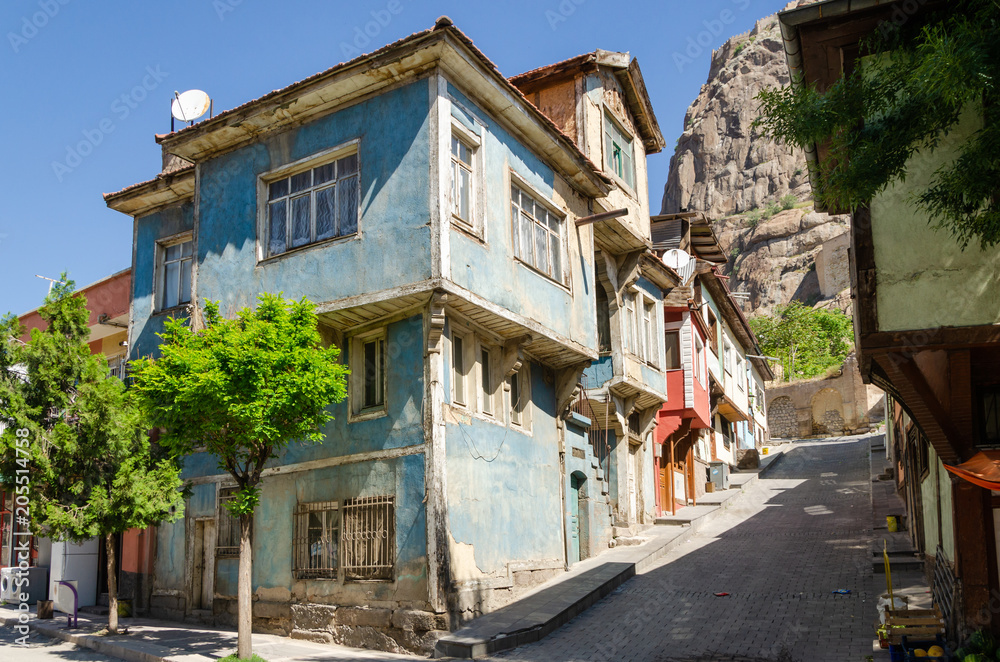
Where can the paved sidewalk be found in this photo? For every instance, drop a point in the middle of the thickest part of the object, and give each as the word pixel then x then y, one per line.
pixel 151 640
pixel 540 612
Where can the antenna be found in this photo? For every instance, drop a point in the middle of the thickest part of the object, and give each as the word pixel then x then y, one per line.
pixel 680 262
pixel 52 281
pixel 189 106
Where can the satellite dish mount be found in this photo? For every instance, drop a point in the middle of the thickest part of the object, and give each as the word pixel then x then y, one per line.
pixel 189 106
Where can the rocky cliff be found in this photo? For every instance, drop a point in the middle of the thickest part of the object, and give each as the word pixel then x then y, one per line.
pixel 756 191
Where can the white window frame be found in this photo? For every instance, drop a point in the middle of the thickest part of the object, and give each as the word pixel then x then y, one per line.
pixel 475 223
pixel 490 404
pixel 462 346
pixel 559 276
pixel 629 169
pixel 650 321
pixel 160 271
pixel 520 413
pixel 727 351
pixel 699 353
pixel 360 409
pixel 631 328
pixel 741 375
pixel 322 158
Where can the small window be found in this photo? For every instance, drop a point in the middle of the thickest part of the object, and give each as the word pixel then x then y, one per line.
pixel 727 359
pixel 228 525
pixel 989 418
pixel 461 180
pixel 175 273
pixel 699 351
pixel 374 357
pixel 459 370
pixel 369 538
pixel 368 374
pixel 537 234
pixel 618 152
pixel 603 321
pixel 520 397
pixel 673 348
pixel 652 353
pixel 317 540
pixel 713 332
pixel 313 205
pixel 486 379
pixel 630 328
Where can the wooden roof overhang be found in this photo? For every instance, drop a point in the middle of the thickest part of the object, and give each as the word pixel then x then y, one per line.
pixel 357 314
pixel 164 190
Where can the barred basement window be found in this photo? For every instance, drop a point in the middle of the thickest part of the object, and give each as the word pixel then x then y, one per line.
pixel 369 538
pixel 228 539
pixel 317 539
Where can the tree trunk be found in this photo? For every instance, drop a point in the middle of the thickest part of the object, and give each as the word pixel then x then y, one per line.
pixel 109 542
pixel 244 649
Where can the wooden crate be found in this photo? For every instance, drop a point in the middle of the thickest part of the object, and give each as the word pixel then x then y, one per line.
pixel 913 623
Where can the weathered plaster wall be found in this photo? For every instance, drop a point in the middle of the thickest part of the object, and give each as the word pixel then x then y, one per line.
pixel 392 247
pixel 833 267
pixel 920 269
pixel 504 495
pixel 489 269
pixel 148 230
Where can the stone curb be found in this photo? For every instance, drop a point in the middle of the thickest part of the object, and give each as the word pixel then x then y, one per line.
pixel 102 644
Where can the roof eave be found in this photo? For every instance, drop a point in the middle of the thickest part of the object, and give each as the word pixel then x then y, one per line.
pixel 163 190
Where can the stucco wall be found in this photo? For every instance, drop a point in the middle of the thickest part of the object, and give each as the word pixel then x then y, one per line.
pixel 148 230
pixel 488 267
pixel 921 270
pixel 392 247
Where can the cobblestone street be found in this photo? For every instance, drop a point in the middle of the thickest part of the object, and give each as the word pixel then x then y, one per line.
pixel 796 536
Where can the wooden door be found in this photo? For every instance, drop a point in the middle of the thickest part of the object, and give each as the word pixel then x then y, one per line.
pixel 574 519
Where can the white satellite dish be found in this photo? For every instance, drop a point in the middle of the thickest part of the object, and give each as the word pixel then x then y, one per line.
pixel 190 105
pixel 680 262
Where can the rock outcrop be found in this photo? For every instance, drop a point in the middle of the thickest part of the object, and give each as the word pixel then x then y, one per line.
pixel 746 184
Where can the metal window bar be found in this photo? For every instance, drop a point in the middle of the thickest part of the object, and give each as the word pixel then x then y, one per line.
pixel 316 540
pixel 228 540
pixel 369 538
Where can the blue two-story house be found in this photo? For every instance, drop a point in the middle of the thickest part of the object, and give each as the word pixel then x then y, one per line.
pixel 432 213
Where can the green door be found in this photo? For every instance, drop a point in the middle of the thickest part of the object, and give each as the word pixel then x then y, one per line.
pixel 574 519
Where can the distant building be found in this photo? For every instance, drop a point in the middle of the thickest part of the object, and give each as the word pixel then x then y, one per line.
pixel 715 371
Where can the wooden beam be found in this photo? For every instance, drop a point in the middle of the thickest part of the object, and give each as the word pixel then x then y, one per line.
pixel 568 386
pixel 604 216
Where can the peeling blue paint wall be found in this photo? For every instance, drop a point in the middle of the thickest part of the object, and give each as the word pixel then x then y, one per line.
pixel 489 268
pixel 504 486
pixel 393 244
pixel 150 229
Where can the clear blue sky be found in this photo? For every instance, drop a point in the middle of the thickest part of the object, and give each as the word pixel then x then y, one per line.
pixel 103 74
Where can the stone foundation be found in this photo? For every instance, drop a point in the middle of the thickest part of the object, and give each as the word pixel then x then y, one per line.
pixel 393 630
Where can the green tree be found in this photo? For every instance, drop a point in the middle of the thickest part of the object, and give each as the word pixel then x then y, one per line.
pixel 922 78
pixel 75 442
pixel 243 389
pixel 807 341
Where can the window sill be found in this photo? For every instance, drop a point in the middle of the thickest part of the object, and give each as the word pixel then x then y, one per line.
pixel 300 249
pixel 623 185
pixel 466 229
pixel 461 410
pixel 367 415
pixel 184 308
pixel 542 274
